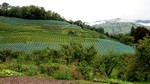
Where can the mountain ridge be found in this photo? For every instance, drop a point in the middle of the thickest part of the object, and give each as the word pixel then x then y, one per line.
pixel 119 25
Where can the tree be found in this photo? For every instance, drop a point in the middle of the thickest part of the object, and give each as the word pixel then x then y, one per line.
pixel 140 32
pixel 29 12
pixel 56 16
pixel 4 55
pixel 76 52
pixel 129 69
pixel 15 11
pixel 1 12
pixel 48 15
pixel 117 36
pixel 127 39
pixel 132 31
pixel 79 23
pixel 107 34
pixel 33 12
pixel 7 55
pixel 4 7
pixel 105 64
pixel 100 30
pixel 136 67
pixel 143 55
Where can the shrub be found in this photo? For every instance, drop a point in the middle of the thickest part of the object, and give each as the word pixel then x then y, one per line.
pixel 4 55
pixel 86 70
pixel 74 72
pixel 32 70
pixel 7 55
pixel 27 69
pixel 64 75
pixel 6 72
pixel 48 69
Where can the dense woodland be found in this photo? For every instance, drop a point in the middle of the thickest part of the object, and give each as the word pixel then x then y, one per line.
pixel 74 61
pixel 29 12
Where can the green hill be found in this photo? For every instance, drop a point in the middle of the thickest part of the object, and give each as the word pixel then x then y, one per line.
pixel 117 27
pixel 41 23
pixel 29 35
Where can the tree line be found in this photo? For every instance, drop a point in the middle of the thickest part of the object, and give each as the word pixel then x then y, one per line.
pixel 83 25
pixel 133 37
pixel 29 12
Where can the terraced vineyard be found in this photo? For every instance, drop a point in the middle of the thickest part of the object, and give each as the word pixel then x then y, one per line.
pixel 103 46
pixel 30 35
pixel 48 24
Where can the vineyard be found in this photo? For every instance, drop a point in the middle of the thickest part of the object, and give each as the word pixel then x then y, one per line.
pixel 47 24
pixel 29 35
pixel 103 46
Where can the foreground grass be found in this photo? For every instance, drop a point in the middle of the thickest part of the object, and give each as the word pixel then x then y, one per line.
pixel 116 81
pixel 11 73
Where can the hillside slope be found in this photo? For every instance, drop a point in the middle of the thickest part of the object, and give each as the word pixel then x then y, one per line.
pixel 117 27
pixel 30 35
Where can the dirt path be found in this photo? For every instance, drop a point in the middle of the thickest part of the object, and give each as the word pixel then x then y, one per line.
pixel 30 80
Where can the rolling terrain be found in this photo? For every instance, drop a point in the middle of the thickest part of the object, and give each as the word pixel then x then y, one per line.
pixel 30 35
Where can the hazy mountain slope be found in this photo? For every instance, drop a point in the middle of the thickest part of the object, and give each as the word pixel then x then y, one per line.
pixel 118 25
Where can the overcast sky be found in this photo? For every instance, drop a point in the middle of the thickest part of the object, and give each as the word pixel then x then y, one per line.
pixel 92 10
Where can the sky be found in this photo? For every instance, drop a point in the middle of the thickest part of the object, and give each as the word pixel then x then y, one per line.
pixel 92 10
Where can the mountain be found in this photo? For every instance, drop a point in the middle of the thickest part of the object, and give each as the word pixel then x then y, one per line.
pixel 119 25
